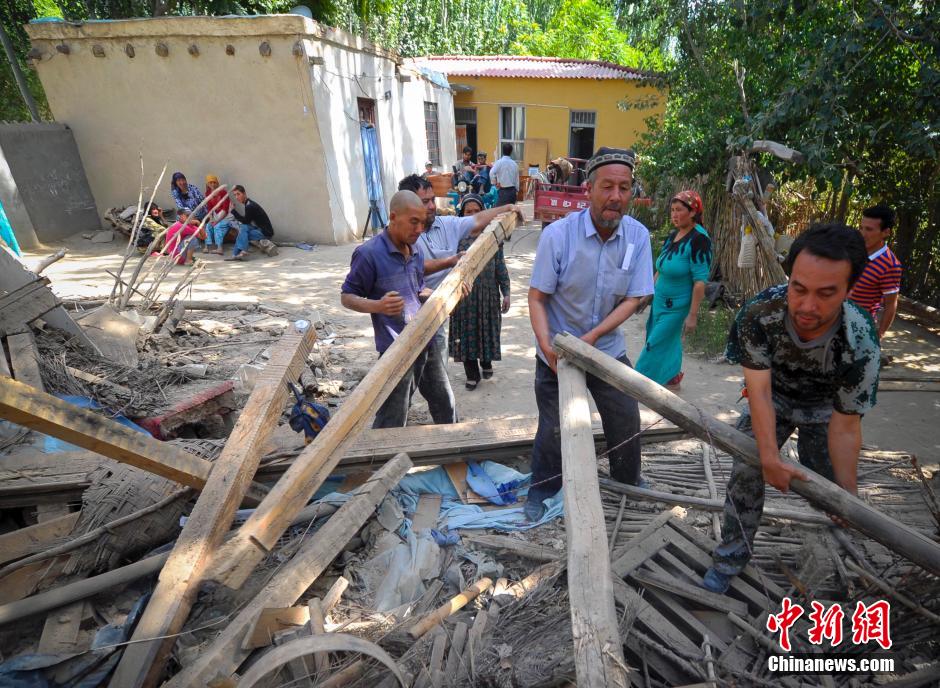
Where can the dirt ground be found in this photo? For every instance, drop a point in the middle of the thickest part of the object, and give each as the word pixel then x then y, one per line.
pixel 307 283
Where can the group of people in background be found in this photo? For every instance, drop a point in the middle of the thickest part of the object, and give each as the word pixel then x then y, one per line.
pixel 809 349
pixel 208 219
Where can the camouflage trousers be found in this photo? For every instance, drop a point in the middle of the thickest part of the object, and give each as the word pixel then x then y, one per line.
pixel 744 502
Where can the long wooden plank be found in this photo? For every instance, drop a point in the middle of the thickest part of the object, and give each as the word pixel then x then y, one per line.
pixel 225 654
pixel 472 440
pixel 262 530
pixel 143 663
pixel 598 651
pixel 32 539
pixel 26 406
pixel 822 493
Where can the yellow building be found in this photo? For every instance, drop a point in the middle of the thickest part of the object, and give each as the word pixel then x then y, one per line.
pixel 545 106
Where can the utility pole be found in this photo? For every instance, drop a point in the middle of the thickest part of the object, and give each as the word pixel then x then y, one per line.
pixel 18 75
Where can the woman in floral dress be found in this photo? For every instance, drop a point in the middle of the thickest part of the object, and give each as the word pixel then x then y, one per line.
pixel 476 321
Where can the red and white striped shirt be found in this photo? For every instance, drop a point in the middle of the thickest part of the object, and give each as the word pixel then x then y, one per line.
pixel 882 276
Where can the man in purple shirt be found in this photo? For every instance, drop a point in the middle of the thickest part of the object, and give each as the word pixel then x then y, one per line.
pixel 386 280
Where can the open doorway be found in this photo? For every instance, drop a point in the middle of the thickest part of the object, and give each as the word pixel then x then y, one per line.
pixel 466 121
pixel 581 141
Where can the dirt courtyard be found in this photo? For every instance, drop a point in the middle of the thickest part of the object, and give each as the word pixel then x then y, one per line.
pixel 307 283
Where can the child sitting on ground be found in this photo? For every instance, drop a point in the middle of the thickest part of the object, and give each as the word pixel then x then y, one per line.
pixel 182 238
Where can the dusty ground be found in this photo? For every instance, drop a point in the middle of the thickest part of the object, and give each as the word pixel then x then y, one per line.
pixel 306 284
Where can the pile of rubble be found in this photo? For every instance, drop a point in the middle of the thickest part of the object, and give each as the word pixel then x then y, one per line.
pixel 158 531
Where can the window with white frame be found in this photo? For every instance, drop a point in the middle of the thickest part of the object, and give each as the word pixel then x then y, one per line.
pixel 432 129
pixel 512 130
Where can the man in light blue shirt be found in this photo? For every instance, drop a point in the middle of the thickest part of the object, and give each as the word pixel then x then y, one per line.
pixel 591 270
pixel 505 174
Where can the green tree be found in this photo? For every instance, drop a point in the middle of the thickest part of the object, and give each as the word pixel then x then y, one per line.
pixel 851 85
pixel 584 30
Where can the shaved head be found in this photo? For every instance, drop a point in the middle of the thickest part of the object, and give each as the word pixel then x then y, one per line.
pixel 406 217
pixel 404 200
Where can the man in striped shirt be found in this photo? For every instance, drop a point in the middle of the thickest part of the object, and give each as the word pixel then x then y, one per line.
pixel 877 289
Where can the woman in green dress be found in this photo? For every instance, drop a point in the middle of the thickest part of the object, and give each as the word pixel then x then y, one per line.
pixel 682 269
pixel 476 321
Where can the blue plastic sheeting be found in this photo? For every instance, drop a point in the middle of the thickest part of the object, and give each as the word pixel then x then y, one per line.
pixel 436 78
pixel 455 514
pixel 51 445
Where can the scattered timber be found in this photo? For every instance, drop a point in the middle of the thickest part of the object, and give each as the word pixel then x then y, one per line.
pixel 224 655
pixel 143 662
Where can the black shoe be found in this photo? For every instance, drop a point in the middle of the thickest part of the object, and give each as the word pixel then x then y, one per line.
pixel 472 384
pixel 534 510
pixel 487 373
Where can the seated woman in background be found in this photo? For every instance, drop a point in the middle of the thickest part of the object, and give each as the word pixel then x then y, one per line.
pixel 219 208
pixel 682 269
pixel 182 238
pixel 185 195
pixel 476 322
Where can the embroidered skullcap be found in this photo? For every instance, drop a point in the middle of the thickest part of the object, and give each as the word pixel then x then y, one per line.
pixel 611 156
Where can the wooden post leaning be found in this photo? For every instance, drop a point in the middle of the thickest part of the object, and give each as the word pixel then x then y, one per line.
pixel 820 492
pixel 598 649
pixel 234 562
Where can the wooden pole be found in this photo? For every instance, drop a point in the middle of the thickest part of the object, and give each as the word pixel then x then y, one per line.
pixel 820 492
pixel 598 650
pixel 143 662
pixel 18 76
pixel 452 605
pixel 225 654
pixel 235 562
pixel 712 489
pixel 26 406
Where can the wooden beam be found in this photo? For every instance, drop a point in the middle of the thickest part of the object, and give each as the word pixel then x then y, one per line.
pixel 23 405
pixel 598 650
pixel 143 663
pixel 292 580
pixel 262 530
pixel 826 495
pixel 472 440
pixel 511 545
